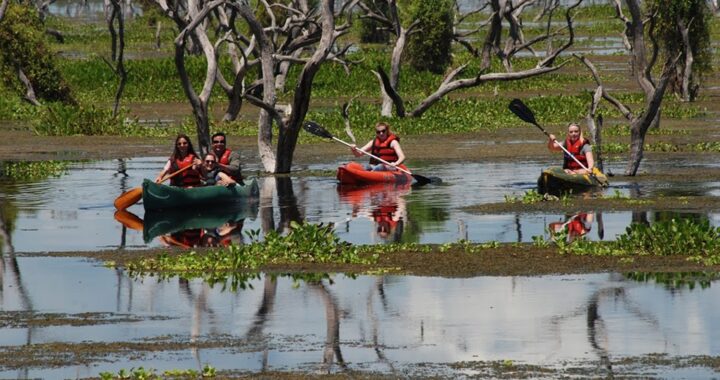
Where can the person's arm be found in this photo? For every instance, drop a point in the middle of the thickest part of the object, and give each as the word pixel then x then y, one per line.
pixel 398 150
pixel 224 179
pixel 233 167
pixel 553 144
pixel 590 160
pixel 163 172
pixel 366 148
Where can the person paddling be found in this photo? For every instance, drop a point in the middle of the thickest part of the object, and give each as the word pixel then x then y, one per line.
pixel 228 161
pixel 183 156
pixel 386 145
pixel 576 145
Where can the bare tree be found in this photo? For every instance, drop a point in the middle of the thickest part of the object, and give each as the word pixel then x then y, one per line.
pixel 3 7
pixel 642 67
pixel 265 48
pixel 503 11
pixel 113 13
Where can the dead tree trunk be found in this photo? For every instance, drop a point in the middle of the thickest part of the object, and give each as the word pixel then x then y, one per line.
pixel 117 54
pixel 3 7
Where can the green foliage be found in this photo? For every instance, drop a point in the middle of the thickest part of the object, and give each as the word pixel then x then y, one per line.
pixel 23 46
pixel 697 15
pixel 58 119
pixel 305 243
pixel 429 49
pixel 141 373
pixel 530 197
pixel 32 170
pixel 696 239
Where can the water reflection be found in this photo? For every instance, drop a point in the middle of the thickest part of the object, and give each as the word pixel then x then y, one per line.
pixel 575 226
pixel 394 325
pixel 384 204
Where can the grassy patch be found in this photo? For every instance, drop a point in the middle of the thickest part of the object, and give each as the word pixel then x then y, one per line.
pixel 32 171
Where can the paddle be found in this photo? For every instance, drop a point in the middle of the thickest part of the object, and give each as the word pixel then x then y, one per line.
pixel 317 130
pixel 133 195
pixel 523 112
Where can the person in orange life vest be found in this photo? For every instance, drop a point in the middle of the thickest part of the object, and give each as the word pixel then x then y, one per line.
pixel 211 175
pixel 228 161
pixel 183 155
pixel 386 145
pixel 578 146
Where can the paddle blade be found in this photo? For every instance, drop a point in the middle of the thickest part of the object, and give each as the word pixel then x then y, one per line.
pixel 600 177
pixel 317 129
pixel 129 220
pixel 422 180
pixel 128 198
pixel 522 111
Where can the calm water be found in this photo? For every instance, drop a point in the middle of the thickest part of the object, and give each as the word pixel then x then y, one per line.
pixel 401 325
pixel 75 212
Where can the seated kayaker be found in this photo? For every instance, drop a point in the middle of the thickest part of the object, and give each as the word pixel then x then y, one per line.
pixel 578 146
pixel 211 173
pixel 228 161
pixel 183 156
pixel 386 145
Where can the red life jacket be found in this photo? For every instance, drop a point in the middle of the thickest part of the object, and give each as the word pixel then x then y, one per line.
pixel 190 177
pixel 384 215
pixel 383 149
pixel 576 227
pixel 225 160
pixel 576 150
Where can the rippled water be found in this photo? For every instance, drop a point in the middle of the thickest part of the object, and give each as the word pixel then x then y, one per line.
pixel 400 325
pixel 75 212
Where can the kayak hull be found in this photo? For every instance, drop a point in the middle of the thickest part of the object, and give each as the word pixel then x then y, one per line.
pixel 555 181
pixel 355 174
pixel 158 196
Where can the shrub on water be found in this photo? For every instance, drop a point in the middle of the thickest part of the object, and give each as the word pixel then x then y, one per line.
pixel 672 237
pixel 23 46
pixel 429 50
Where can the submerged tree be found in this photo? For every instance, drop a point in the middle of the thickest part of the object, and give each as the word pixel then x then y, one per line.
pixel 644 58
pixel 683 29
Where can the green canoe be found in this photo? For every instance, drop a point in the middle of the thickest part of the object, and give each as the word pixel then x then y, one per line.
pixel 554 180
pixel 157 196
pixel 163 222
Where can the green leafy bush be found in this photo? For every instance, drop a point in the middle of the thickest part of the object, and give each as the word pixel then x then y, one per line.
pixel 429 50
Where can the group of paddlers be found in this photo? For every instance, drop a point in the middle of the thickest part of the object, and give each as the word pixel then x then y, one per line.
pixel 220 166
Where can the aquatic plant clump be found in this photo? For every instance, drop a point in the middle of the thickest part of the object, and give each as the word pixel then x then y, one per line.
pixel 697 240
pixel 305 243
pixel 30 171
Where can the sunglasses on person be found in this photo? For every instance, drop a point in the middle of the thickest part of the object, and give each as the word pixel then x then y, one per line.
pixel 380 131
pixel 210 161
pixel 182 143
pixel 218 142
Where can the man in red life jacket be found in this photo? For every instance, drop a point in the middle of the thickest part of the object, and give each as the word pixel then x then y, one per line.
pixel 578 146
pixel 228 161
pixel 386 145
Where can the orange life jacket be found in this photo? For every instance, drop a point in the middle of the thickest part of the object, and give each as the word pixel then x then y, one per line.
pixel 383 149
pixel 190 177
pixel 575 150
pixel 225 160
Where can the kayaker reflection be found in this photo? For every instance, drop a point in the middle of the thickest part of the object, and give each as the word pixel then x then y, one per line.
pixel 211 173
pixel 578 146
pixel 221 236
pixel 388 222
pixel 385 145
pixel 577 225
pixel 183 156
pixel 228 161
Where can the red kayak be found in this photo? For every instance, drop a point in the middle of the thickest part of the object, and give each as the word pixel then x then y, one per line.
pixel 353 173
